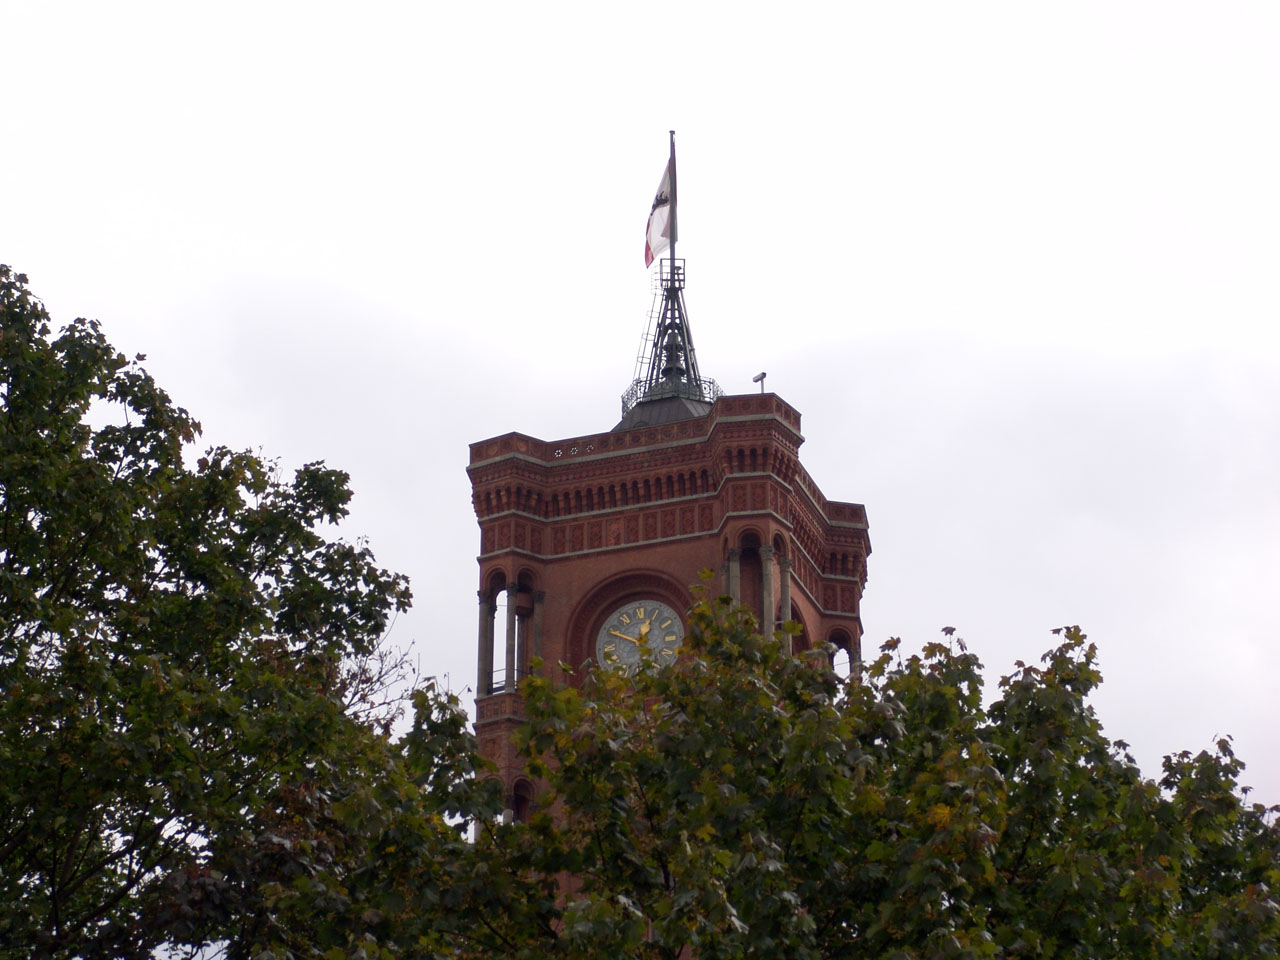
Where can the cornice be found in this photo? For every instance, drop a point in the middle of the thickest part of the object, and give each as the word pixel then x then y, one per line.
pixel 709 424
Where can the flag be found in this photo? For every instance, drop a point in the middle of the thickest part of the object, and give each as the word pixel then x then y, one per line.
pixel 660 233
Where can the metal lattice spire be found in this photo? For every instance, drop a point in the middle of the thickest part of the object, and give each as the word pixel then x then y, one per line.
pixel 668 363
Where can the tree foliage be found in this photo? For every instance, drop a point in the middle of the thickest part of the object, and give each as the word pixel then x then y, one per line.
pixel 192 709
pixel 748 803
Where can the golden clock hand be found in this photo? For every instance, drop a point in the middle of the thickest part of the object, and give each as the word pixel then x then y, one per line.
pixel 623 636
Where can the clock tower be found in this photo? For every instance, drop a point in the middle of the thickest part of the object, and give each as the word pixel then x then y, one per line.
pixel 590 546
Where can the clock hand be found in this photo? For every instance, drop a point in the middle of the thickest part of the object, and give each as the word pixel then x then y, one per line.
pixel 623 636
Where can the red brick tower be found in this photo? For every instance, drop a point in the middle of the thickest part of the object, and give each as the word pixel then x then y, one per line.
pixel 592 544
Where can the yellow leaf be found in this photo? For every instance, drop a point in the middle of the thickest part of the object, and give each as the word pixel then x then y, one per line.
pixel 940 815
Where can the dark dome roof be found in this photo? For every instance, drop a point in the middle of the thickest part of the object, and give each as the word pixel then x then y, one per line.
pixel 650 413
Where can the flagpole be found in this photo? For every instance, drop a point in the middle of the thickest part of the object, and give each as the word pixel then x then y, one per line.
pixel 675 223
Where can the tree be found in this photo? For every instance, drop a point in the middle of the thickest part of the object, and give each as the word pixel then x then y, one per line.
pixel 749 803
pixel 193 722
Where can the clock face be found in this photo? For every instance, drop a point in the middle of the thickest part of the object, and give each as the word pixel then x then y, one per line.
pixel 650 622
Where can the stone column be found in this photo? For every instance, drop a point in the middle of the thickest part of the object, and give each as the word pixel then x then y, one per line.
pixel 484 664
pixel 524 628
pixel 538 599
pixel 784 592
pixel 735 574
pixel 513 590
pixel 767 622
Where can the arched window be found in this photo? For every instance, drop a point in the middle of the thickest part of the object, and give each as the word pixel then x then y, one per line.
pixel 521 801
pixel 844 656
pixel 498 632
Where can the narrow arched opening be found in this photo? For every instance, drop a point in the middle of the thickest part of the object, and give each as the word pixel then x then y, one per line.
pixel 844 657
pixel 521 801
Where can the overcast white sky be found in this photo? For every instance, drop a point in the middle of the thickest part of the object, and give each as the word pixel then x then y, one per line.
pixel 1015 263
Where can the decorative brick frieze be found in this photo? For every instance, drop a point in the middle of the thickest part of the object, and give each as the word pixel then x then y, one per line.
pixel 686 519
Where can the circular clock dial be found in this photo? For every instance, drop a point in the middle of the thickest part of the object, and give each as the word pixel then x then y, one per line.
pixel 648 622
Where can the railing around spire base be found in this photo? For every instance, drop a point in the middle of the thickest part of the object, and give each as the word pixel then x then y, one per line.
pixel 704 388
